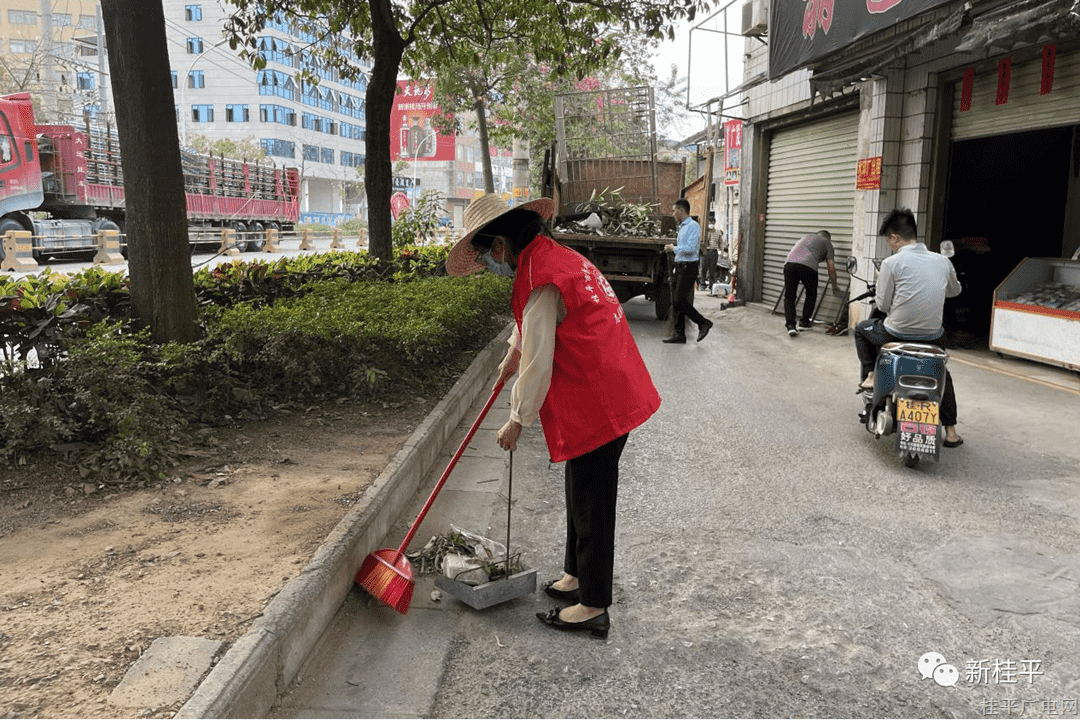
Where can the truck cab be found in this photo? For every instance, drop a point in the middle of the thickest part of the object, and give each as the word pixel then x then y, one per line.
pixel 20 169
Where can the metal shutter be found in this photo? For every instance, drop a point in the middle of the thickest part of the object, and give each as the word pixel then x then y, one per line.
pixel 1026 109
pixel 811 187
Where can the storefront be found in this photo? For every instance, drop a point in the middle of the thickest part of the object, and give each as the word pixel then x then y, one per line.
pixel 1012 190
pixel 811 187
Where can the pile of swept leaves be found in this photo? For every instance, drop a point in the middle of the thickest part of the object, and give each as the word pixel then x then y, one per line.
pixel 606 213
pixel 77 379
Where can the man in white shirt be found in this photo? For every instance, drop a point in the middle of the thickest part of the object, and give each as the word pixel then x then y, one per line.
pixel 911 288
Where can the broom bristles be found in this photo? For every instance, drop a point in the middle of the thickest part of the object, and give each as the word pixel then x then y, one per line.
pixel 386 582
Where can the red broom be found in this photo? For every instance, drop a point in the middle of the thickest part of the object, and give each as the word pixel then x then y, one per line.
pixel 386 573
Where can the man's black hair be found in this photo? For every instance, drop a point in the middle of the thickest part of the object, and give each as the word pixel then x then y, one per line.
pixel 902 222
pixel 519 226
pixel 684 204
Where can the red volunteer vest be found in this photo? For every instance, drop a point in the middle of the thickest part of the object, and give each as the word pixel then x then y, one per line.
pixel 600 389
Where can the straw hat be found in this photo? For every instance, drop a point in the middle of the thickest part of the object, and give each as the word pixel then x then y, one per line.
pixel 463 259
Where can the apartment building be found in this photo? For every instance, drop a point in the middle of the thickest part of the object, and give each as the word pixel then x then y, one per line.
pixel 49 48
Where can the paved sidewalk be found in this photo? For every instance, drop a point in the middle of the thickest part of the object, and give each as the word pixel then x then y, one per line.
pixel 397 663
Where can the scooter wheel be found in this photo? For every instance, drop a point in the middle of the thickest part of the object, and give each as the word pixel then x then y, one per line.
pixel 911 459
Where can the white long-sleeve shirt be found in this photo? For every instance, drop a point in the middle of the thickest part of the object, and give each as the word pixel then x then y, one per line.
pixel 536 341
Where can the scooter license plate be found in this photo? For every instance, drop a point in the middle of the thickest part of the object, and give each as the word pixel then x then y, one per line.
pixel 924 412
pixel 918 428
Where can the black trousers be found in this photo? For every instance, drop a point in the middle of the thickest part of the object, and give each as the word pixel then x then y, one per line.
pixel 795 273
pixel 682 296
pixel 592 483
pixel 708 268
pixel 871 334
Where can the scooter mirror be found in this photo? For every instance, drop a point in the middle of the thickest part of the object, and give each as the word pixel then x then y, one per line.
pixel 852 264
pixel 947 248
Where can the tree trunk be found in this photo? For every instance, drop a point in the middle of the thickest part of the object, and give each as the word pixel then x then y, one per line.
pixel 378 170
pixel 159 260
pixel 485 147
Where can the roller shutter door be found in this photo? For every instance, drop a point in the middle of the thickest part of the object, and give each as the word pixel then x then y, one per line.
pixel 811 187
pixel 1026 108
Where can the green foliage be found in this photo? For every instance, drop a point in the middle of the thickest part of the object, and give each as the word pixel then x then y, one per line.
pixel 330 339
pixel 340 324
pixel 247 149
pixel 420 221
pixel 102 403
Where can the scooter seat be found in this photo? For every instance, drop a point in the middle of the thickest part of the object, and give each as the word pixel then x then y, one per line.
pixel 915 349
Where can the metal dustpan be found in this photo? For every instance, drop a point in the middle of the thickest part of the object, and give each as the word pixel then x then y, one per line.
pixel 501 589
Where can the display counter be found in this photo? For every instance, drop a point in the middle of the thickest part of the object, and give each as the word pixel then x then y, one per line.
pixel 1036 312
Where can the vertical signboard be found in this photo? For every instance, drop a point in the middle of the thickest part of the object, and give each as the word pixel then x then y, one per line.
pixel 412 134
pixel 732 149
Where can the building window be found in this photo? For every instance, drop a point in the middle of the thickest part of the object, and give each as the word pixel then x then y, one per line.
pixel 84 81
pixel 279 148
pixel 196 79
pixel 22 17
pixel 88 22
pixel 351 159
pixel 173 73
pixel 194 45
pixel 311 153
pixel 61 19
pixel 21 46
pixel 277 114
pixel 236 113
pixel 327 155
pixel 202 113
pixel 193 13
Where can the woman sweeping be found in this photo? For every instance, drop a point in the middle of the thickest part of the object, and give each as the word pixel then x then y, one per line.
pixel 579 371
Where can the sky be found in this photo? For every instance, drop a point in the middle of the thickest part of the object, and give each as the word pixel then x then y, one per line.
pixel 704 68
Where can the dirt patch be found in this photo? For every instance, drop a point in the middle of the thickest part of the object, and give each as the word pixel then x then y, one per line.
pixel 91 576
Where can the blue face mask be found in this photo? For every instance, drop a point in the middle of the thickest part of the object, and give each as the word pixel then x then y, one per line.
pixel 499 268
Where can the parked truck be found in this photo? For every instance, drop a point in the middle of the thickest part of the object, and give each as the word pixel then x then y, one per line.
pixel 605 150
pixel 64 184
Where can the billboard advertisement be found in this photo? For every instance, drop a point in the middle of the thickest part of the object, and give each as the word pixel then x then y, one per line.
pixel 412 134
pixel 802 31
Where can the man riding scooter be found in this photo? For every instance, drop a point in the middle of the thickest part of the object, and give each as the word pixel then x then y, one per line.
pixel 911 289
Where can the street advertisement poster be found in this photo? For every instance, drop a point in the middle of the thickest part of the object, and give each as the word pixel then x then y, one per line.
pixel 804 31
pixel 412 134
pixel 918 438
pixel 732 149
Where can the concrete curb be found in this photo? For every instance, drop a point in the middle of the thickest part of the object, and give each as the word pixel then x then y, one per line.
pixel 262 663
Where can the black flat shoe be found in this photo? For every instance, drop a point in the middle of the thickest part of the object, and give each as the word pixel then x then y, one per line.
pixel 598 625
pixel 678 339
pixel 704 330
pixel 571 596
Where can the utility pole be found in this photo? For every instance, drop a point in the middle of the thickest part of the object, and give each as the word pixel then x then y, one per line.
pixel 103 92
pixel 52 100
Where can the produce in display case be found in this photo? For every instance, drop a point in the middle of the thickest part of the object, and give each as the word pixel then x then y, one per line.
pixel 1036 312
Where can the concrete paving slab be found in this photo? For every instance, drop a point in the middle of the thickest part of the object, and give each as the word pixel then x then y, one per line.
pixel 166 673
pixel 391 670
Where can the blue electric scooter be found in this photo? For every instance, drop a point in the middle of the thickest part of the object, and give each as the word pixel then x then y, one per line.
pixel 909 381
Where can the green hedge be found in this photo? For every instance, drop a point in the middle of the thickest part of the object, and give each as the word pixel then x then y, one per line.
pixel 121 406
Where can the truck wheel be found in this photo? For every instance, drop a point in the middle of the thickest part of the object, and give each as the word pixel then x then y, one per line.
pixel 258 231
pixel 662 304
pixel 7 225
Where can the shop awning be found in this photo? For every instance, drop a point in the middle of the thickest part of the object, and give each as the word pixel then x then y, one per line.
pixel 839 75
pixel 1026 22
pixel 1023 23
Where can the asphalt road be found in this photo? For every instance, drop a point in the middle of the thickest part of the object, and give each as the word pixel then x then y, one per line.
pixel 773 559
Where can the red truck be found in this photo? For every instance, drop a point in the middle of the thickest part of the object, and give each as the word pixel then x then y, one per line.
pixel 65 184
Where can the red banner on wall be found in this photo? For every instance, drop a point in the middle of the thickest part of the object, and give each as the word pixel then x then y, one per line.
pixel 732 149
pixel 868 174
pixel 411 132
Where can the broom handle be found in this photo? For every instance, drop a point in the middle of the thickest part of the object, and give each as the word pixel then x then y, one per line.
pixel 453 462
